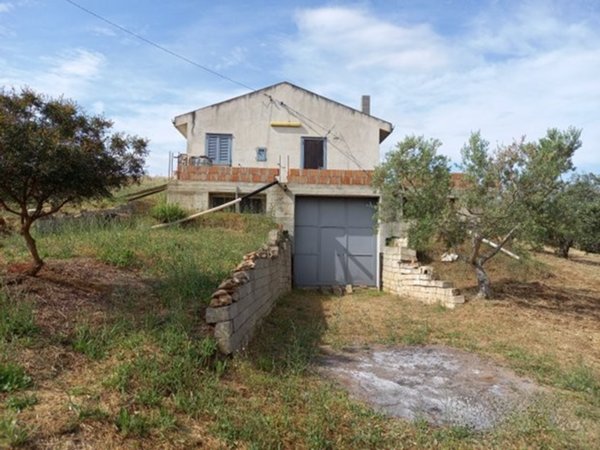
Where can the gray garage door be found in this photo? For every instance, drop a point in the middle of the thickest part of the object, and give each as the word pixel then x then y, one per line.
pixel 334 241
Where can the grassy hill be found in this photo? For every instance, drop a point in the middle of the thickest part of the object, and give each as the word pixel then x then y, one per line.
pixel 107 348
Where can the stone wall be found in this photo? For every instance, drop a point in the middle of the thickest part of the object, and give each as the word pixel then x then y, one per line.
pixel 245 298
pixel 403 275
pixel 54 222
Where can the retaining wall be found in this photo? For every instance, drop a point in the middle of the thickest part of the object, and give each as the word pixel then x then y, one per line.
pixel 245 298
pixel 403 275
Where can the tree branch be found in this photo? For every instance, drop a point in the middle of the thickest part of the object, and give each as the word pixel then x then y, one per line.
pixel 510 234
pixel 55 208
pixel 10 210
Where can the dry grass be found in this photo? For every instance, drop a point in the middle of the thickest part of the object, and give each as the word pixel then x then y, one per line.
pixel 94 391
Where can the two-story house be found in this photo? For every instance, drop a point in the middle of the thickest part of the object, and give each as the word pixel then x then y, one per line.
pixel 321 152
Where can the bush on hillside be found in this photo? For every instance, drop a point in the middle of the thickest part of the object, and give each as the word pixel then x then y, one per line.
pixel 168 212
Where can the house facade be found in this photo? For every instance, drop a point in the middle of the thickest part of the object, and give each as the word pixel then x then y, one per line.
pixel 321 152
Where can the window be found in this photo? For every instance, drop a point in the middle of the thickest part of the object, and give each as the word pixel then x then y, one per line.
pixel 313 153
pixel 218 148
pixel 252 205
pixel 261 154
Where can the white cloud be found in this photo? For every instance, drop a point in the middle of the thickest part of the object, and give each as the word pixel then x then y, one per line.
pixel 358 40
pixel 6 7
pixel 234 58
pixel 71 74
pixel 508 73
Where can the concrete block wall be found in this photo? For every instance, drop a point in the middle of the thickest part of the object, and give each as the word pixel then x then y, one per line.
pixel 245 298
pixel 403 275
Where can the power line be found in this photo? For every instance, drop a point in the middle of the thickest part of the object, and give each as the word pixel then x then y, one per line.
pixel 294 112
pixel 158 46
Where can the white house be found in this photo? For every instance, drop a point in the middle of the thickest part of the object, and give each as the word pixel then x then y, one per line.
pixel 321 152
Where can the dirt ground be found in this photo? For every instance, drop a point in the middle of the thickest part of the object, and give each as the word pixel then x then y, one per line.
pixel 441 365
pixel 441 385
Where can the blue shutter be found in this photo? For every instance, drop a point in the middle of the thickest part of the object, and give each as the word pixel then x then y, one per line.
pixel 211 146
pixel 218 148
pixel 224 149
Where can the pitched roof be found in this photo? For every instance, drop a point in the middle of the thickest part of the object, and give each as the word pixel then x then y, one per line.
pixel 264 91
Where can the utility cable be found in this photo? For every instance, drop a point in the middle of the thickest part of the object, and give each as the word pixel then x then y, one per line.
pixel 292 111
pixel 158 46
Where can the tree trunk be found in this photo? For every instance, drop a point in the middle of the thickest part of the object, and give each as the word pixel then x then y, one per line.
pixel 483 281
pixel 38 263
pixel 564 245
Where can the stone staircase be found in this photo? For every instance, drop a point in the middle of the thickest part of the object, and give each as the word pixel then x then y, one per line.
pixel 403 275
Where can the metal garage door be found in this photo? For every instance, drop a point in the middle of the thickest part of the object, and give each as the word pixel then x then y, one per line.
pixel 334 241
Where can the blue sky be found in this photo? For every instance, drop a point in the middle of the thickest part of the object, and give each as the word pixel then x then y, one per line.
pixel 442 68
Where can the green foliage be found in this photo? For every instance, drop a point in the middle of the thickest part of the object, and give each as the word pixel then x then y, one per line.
pixel 21 402
pixel 118 256
pixel 499 197
pixel 53 153
pixel 94 343
pixel 13 378
pixel 582 379
pixel 571 216
pixel 92 413
pixel 132 424
pixel 414 182
pixel 12 434
pixel 168 212
pixel 177 368
pixel 17 319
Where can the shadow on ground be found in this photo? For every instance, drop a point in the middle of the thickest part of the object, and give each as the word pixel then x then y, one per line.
pixel 560 300
pixel 289 338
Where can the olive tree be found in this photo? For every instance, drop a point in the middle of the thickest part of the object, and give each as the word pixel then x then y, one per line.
pixel 499 196
pixel 53 153
pixel 571 217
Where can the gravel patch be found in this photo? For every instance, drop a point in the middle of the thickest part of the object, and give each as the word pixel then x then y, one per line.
pixel 441 385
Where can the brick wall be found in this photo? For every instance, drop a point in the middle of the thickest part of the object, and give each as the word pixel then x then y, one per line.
pixel 266 175
pixel 403 275
pixel 226 173
pixel 244 299
pixel 344 177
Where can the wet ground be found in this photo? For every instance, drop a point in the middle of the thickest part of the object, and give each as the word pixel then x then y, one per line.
pixel 441 385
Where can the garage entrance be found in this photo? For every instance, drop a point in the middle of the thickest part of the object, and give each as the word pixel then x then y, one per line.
pixel 335 241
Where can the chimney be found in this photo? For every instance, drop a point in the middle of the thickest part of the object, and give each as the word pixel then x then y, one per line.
pixel 366 104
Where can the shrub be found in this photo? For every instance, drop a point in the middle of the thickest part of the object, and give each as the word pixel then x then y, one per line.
pixel 168 212
pixel 117 256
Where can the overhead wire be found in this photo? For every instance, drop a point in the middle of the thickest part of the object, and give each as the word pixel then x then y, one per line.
pixel 291 110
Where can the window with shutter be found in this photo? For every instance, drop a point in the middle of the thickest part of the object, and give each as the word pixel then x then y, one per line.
pixel 313 153
pixel 218 148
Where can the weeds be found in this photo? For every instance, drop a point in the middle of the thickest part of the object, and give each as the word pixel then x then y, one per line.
pixel 13 378
pixel 132 423
pixel 418 335
pixel 581 379
pixel 92 413
pixel 94 343
pixel 17 318
pixel 12 434
pixel 21 402
pixel 168 212
pixel 118 256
